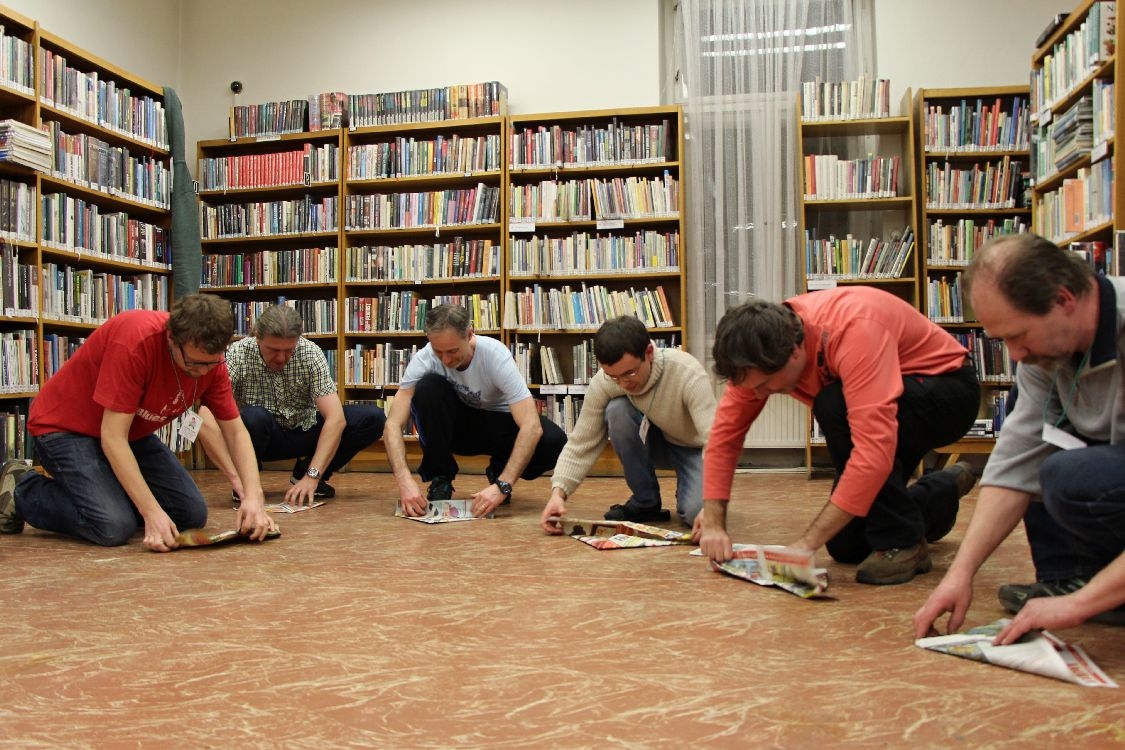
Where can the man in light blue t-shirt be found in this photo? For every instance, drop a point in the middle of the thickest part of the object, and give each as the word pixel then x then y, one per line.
pixel 467 398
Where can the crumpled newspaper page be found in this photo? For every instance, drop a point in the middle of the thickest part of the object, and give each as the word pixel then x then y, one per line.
pixel 287 508
pixel 204 538
pixel 1038 652
pixel 621 534
pixel 776 565
pixel 444 511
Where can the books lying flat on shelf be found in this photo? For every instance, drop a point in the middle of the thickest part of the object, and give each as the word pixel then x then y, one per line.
pixel 204 538
pixel 444 511
pixel 21 143
pixel 621 534
pixel 1038 652
pixel 287 508
pixel 775 565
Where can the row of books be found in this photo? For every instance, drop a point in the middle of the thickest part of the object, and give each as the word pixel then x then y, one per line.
pixel 946 301
pixel 1101 257
pixel 19 372
pixel 405 311
pixel 563 410
pixel 579 253
pixel 956 244
pixel 98 165
pixel 459 259
pixel 19 284
pixel 17 441
pixel 852 258
pixel 307 265
pixel 476 205
pixel 988 185
pixel 845 100
pixel 1066 139
pixel 989 355
pixel 269 118
pixel 317 315
pixel 541 365
pixel 585 308
pixel 303 215
pixel 1105 116
pixel 24 145
pixel 303 166
pixel 71 223
pixel 17 210
pixel 459 102
pixel 550 200
pixel 57 349
pixel 102 102
pixel 592 145
pixel 409 157
pixel 830 177
pixel 1075 57
pixel 87 296
pixel 17 63
pixel 1082 202
pixel 978 126
pixel 636 197
pixel 379 365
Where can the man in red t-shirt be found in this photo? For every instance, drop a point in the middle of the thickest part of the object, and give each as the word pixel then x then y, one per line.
pixel 886 386
pixel 94 423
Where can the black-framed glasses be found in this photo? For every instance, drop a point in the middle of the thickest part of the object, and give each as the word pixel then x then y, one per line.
pixel 200 362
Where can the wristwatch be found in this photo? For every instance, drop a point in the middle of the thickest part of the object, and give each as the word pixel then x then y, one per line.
pixel 504 487
pixel 313 472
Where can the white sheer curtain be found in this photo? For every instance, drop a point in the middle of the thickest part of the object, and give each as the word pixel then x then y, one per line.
pixel 738 67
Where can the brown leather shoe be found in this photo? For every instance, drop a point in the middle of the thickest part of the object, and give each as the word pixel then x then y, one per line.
pixel 889 566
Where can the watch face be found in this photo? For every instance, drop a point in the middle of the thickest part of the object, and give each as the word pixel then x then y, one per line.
pixel 313 472
pixel 504 487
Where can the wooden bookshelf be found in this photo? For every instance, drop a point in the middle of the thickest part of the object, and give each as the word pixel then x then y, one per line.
pixel 879 218
pixel 595 227
pixel 974 171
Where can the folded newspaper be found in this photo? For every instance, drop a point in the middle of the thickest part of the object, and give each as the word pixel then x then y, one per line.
pixel 287 508
pixel 444 511
pixel 775 565
pixel 621 534
pixel 204 538
pixel 1038 652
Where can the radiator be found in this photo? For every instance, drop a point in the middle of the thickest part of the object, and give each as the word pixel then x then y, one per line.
pixel 782 424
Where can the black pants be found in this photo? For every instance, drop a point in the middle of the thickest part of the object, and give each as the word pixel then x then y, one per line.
pixel 447 426
pixel 934 410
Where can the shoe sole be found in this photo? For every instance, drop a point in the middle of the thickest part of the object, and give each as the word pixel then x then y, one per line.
pixel 10 474
pixel 923 567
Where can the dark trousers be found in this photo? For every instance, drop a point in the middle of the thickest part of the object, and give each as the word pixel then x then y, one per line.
pixel 447 426
pixel 272 442
pixel 934 410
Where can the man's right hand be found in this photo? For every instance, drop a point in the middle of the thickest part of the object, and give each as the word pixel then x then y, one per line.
pixel 412 501
pixel 555 509
pixel 715 543
pixel 953 595
pixel 160 532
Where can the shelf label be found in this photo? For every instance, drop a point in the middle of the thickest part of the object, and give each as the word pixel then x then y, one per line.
pixel 1045 116
pixel 611 223
pixel 579 389
pixel 521 226
pixel 266 138
pixel 815 284
pixel 1099 152
pixel 552 390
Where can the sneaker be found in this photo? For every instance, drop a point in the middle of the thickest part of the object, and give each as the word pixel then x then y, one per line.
pixel 898 565
pixel 1014 595
pixel 965 478
pixel 323 489
pixel 630 512
pixel 441 488
pixel 11 522
pixel 235 500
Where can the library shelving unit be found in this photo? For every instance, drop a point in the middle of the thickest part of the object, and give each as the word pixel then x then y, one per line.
pixel 1075 201
pixel 594 226
pixel 422 226
pixel 858 212
pixel 269 227
pixel 973 163
pixel 19 251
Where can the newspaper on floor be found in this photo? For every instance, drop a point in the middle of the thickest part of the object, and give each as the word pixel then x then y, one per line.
pixel 776 565
pixel 287 508
pixel 1038 652
pixel 621 534
pixel 204 538
pixel 444 511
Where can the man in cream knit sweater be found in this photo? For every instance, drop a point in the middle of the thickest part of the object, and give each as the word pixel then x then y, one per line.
pixel 655 406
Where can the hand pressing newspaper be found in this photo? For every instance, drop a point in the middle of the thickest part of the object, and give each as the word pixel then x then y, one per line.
pixel 1038 652
pixel 620 534
pixel 444 511
pixel 775 565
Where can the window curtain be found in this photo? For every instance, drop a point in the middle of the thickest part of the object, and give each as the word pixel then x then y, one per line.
pixel 737 67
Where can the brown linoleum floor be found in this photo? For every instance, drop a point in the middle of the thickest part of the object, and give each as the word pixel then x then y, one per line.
pixel 357 629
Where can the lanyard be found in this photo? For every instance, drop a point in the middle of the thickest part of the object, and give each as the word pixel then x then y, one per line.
pixel 176 374
pixel 656 385
pixel 1073 391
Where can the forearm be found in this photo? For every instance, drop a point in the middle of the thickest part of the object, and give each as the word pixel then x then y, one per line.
pixel 715 514
pixel 215 447
pixel 241 449
pixel 1104 592
pixel 998 511
pixel 829 522
pixel 128 473
pixel 522 451
pixel 395 447
pixel 326 445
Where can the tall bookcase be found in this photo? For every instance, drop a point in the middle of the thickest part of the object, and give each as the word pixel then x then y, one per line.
pixel 1076 201
pixel 973 163
pixel 91 235
pixel 594 226
pixel 858 212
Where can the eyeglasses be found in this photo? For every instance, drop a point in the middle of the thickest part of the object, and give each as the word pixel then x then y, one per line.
pixel 200 362
pixel 624 376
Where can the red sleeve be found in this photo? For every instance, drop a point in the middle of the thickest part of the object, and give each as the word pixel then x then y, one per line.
pixel 865 359
pixel 738 408
pixel 217 395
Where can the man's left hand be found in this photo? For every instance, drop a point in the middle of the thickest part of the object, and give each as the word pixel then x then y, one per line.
pixel 487 500
pixel 253 521
pixel 303 492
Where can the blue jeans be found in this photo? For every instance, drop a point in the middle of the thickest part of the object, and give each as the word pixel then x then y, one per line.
pixel 640 460
pixel 1079 528
pixel 83 498
pixel 272 442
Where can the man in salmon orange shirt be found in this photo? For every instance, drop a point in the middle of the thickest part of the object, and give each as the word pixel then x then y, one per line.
pixel 886 386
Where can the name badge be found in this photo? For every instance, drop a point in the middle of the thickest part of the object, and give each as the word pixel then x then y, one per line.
pixel 190 425
pixel 1061 439
pixel 644 430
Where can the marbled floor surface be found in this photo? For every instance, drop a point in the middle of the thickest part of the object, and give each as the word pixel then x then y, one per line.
pixel 357 629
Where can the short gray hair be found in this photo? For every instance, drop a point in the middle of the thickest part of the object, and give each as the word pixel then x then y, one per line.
pixel 444 317
pixel 281 321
